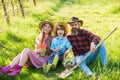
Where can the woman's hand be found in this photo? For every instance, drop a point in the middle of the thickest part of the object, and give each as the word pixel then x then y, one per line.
pixel 40 51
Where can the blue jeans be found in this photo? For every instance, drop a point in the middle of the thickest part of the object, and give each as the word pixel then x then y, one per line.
pixel 103 56
pixel 52 55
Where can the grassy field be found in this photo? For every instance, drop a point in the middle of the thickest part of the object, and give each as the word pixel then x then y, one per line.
pixel 99 16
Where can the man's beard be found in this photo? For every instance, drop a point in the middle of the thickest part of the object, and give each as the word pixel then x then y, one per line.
pixel 74 31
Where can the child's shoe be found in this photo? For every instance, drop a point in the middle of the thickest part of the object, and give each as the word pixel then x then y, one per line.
pixel 53 67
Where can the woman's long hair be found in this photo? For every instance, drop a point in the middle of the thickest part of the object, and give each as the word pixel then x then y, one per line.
pixel 42 36
pixel 40 40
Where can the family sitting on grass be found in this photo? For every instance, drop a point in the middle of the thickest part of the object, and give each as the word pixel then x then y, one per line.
pixel 67 48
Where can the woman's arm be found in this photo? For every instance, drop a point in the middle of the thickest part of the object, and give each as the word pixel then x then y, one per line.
pixel 37 43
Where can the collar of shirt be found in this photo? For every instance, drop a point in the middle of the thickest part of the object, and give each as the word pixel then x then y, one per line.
pixel 60 38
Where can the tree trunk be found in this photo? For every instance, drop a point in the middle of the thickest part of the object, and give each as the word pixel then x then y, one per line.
pixel 34 2
pixel 5 12
pixel 12 8
pixel 21 8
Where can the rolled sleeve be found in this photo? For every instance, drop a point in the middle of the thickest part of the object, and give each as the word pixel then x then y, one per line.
pixel 68 45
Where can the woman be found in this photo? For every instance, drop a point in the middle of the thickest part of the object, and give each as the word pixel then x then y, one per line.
pixel 29 56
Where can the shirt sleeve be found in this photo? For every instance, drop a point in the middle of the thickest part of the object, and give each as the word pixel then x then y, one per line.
pixel 92 37
pixel 68 45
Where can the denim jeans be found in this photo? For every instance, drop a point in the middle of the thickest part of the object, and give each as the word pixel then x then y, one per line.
pixel 103 56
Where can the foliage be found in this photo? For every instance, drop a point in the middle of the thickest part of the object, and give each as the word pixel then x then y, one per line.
pixel 99 16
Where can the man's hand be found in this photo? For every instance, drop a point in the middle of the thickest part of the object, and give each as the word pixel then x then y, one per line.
pixel 65 54
pixel 92 47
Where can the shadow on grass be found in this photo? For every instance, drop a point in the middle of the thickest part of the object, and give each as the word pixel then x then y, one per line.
pixel 55 73
pixel 11 37
pixel 113 64
pixel 5 77
pixel 2 45
pixel 50 12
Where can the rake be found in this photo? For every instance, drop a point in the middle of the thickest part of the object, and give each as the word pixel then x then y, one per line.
pixel 67 72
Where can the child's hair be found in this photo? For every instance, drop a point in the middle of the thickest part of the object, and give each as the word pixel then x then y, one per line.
pixel 62 27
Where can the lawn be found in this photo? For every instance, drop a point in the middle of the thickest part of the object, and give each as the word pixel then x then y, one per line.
pixel 99 16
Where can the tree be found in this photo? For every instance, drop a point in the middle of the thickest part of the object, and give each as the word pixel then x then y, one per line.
pixel 12 8
pixel 5 12
pixel 21 8
pixel 34 2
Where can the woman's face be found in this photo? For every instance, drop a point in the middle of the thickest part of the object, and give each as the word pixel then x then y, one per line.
pixel 47 28
pixel 60 32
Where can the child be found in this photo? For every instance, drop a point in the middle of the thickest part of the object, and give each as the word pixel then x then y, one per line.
pixel 59 45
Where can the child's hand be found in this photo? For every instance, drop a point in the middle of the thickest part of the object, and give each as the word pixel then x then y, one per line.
pixel 56 50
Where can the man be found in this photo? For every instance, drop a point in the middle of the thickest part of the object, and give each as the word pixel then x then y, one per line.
pixel 83 42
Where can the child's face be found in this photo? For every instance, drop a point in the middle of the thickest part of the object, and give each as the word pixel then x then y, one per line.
pixel 60 32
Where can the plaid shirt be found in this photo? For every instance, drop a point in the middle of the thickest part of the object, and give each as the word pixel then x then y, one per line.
pixel 81 42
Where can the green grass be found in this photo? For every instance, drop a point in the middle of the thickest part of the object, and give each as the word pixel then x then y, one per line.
pixel 99 16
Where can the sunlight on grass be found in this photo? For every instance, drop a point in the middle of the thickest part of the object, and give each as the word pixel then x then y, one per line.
pixel 100 17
